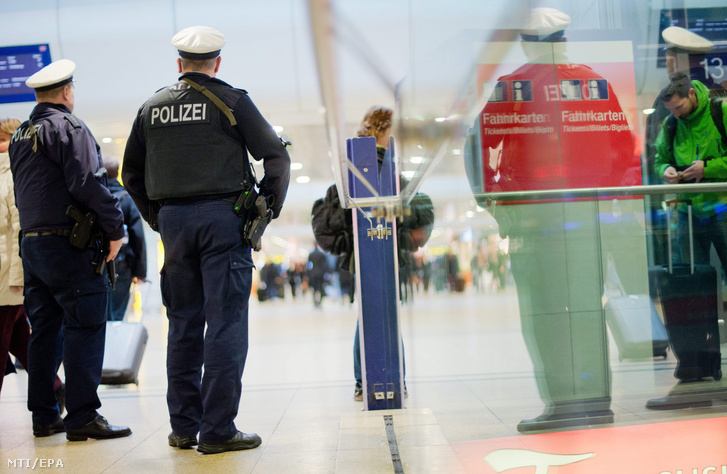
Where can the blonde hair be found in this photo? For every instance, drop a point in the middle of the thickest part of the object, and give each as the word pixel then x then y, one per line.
pixel 376 121
pixel 8 126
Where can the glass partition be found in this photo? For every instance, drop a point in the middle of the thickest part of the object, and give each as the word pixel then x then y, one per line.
pixel 559 274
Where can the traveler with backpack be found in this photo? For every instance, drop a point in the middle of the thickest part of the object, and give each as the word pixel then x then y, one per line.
pixel 691 147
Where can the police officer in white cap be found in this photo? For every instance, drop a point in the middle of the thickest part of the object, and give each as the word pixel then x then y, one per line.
pixel 685 50
pixel 549 86
pixel 55 162
pixel 546 25
pixel 186 165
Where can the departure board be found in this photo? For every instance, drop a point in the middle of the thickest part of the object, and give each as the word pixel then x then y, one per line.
pixel 17 64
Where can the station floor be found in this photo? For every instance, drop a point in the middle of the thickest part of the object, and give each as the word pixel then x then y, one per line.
pixel 469 380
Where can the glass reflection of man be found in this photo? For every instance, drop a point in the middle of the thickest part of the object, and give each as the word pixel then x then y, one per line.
pixel 693 151
pixel 697 148
pixel 553 135
pixel 685 52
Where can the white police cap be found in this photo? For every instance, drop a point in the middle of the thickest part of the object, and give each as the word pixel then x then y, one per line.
pixel 54 75
pixel 199 42
pixel 683 39
pixel 543 22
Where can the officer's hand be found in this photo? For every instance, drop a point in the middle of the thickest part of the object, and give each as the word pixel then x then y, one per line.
pixel 694 172
pixel 114 247
pixel 671 176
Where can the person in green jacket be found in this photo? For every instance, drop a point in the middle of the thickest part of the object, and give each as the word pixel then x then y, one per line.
pixel 695 153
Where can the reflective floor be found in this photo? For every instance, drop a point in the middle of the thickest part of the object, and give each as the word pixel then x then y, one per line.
pixel 465 397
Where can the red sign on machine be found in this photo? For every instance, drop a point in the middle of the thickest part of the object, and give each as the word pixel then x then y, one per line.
pixel 554 123
pixel 680 447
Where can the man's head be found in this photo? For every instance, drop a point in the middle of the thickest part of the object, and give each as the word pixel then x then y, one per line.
pixel 112 167
pixel 679 97
pixel 683 49
pixel 54 83
pixel 199 49
pixel 7 128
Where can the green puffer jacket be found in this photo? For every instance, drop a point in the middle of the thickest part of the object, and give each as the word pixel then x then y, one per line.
pixel 696 138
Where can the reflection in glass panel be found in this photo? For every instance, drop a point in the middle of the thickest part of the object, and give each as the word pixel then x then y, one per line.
pixel 543 298
pixel 518 115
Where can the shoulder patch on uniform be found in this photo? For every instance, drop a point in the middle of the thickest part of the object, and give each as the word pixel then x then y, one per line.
pixel 75 121
pixel 232 96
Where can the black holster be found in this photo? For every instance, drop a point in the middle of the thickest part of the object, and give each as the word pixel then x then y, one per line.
pixel 254 228
pixel 87 234
pixel 82 235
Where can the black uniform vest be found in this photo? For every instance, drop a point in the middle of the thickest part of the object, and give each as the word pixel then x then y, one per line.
pixel 188 152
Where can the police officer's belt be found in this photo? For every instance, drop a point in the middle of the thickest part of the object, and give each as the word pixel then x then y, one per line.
pixel 65 232
pixel 228 197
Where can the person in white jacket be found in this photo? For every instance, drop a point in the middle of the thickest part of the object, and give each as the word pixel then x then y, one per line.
pixel 14 326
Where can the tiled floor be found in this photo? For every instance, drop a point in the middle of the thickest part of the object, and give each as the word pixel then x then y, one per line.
pixel 468 375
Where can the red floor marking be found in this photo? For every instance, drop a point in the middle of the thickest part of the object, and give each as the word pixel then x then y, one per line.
pixel 677 447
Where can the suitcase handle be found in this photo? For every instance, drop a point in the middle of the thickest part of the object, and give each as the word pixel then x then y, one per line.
pixel 669 204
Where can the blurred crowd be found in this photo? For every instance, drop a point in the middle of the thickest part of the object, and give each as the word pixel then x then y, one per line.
pixel 484 267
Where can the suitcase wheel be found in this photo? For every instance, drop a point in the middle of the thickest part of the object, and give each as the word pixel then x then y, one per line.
pixel 718 375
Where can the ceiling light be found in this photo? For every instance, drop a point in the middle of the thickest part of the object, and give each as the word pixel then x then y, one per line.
pixel 408 174
pixel 416 159
pixel 648 111
pixel 107 140
pixel 440 119
pixel 456 151
pixel 302 179
pixel 296 166
pixel 278 128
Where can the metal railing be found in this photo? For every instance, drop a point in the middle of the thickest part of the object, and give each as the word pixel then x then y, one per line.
pixel 596 193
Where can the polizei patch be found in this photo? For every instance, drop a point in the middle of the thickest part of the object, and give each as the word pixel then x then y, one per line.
pixel 179 113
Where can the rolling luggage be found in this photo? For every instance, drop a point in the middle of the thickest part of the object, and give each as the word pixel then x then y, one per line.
pixel 688 294
pixel 458 283
pixel 123 351
pixel 636 327
pixel 633 321
pixel 262 292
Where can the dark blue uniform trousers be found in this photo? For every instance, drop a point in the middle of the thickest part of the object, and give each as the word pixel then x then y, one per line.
pixel 63 293
pixel 206 279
